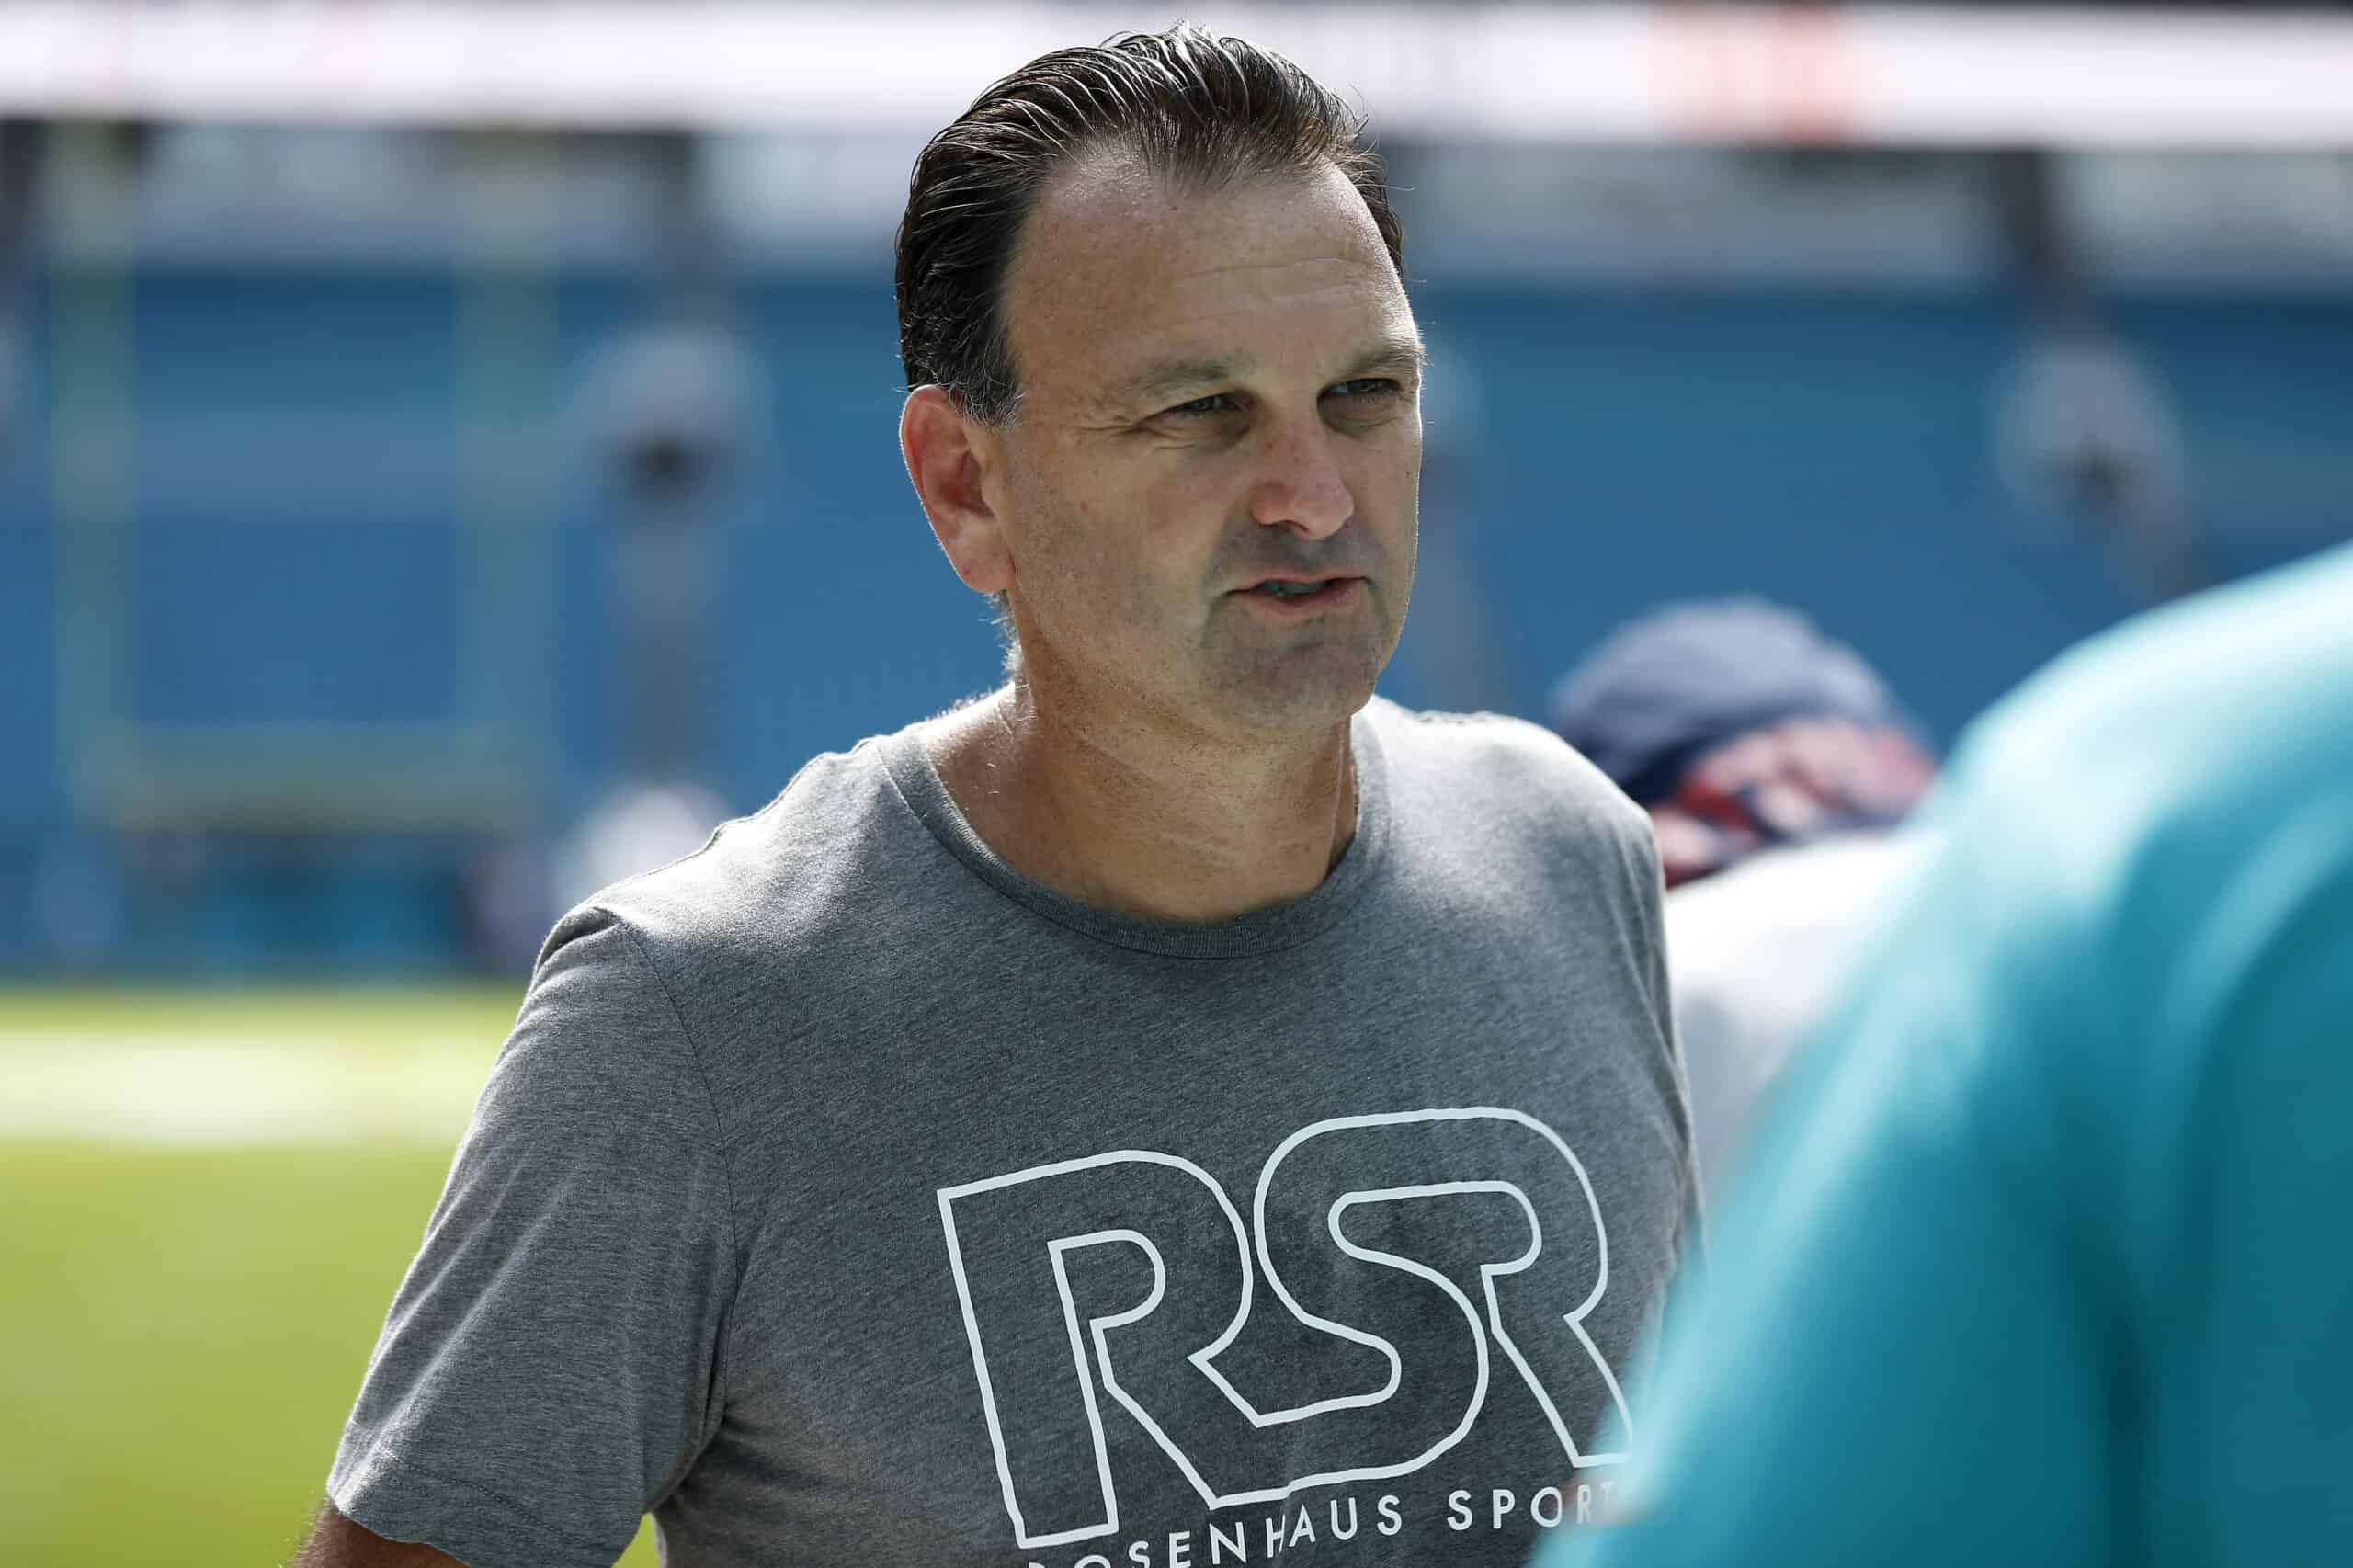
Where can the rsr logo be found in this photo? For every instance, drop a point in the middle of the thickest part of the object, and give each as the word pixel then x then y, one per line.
pixel 1416 1258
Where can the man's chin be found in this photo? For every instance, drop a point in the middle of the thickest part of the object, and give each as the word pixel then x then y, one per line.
pixel 1301 693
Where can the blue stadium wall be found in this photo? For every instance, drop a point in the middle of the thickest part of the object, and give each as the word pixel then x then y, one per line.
pixel 1593 454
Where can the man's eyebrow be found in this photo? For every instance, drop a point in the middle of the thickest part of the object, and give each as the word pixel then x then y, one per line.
pixel 1162 383
pixel 1400 353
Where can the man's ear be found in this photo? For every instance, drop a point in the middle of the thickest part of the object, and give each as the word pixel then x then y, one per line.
pixel 954 462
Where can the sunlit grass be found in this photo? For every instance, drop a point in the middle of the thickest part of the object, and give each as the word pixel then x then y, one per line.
pixel 187 1325
pixel 389 1014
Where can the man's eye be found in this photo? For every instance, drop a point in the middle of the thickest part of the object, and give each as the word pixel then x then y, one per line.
pixel 1202 407
pixel 1366 388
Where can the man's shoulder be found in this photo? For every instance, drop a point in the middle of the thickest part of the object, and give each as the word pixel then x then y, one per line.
pixel 768 877
pixel 2148 835
pixel 2221 695
pixel 2161 758
pixel 1495 765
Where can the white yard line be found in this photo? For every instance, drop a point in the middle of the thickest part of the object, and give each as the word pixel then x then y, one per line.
pixel 222 1092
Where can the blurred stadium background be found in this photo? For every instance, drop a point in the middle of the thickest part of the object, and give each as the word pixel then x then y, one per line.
pixel 448 459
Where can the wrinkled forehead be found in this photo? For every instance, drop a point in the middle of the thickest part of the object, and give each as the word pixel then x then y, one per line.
pixel 1118 266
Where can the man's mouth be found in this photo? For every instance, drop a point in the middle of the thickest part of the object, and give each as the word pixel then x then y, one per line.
pixel 1285 589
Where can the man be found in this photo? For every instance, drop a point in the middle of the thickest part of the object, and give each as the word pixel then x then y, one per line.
pixel 1775 766
pixel 2044 1259
pixel 1171 1110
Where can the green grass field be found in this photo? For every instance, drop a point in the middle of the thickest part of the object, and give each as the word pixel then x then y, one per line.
pixel 187 1315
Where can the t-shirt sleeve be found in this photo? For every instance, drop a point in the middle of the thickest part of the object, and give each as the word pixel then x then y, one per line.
pixel 1895 1355
pixel 548 1368
pixel 1648 884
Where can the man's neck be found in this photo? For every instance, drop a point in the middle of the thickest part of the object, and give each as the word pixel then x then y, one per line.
pixel 1165 828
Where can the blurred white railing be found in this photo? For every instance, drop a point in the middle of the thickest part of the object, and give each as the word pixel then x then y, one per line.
pixel 1925 76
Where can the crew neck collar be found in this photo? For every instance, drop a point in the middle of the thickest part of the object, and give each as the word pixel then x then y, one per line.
pixel 1269 930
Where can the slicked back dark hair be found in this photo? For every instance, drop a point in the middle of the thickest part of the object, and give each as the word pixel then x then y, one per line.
pixel 1204 112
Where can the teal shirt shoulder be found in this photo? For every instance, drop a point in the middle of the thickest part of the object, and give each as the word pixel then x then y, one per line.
pixel 2045 1253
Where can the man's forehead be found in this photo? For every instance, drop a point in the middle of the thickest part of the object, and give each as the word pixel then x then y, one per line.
pixel 1109 225
pixel 1123 275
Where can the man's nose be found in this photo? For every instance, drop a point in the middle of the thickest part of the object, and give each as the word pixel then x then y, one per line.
pixel 1300 485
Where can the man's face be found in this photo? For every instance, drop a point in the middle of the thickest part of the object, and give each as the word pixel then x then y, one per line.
pixel 1217 390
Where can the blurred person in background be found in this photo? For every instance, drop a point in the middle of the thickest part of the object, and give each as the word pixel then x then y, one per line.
pixel 1775 766
pixel 2041 1258
pixel 870 1187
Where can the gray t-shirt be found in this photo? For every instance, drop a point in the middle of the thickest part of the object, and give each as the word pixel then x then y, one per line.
pixel 842 1196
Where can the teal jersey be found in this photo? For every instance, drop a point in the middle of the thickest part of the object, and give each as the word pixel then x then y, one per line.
pixel 2044 1254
